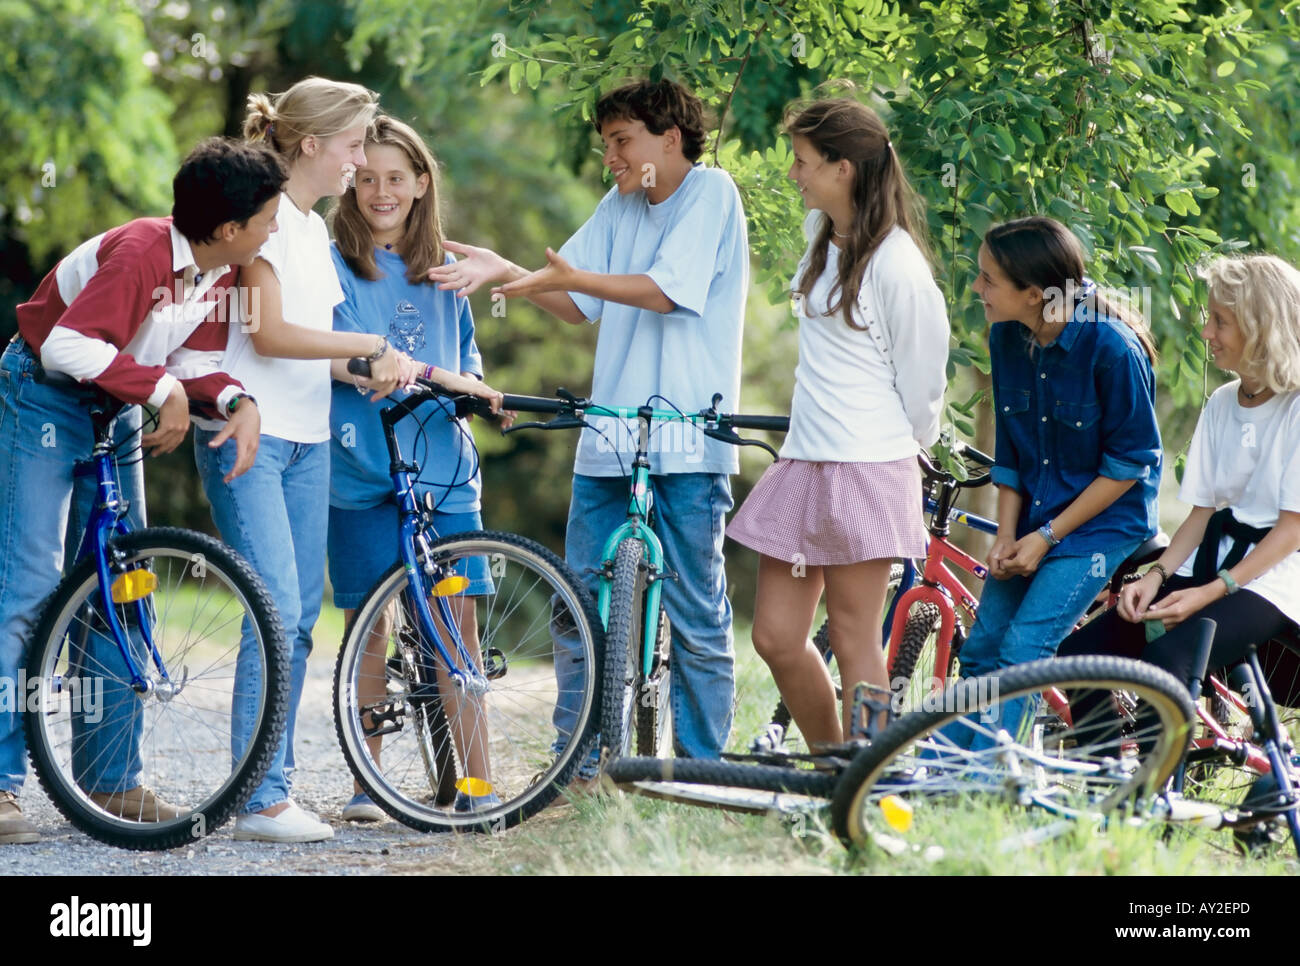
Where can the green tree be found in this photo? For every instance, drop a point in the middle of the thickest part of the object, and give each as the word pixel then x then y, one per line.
pixel 1110 119
pixel 89 135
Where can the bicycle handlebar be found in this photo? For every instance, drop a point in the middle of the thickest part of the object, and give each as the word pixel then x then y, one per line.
pixel 566 404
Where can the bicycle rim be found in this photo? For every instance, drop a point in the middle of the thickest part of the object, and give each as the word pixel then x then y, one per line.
pixel 219 639
pixel 1049 733
pixel 406 729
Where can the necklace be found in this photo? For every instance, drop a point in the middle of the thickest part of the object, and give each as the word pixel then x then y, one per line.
pixel 1252 395
pixel 839 234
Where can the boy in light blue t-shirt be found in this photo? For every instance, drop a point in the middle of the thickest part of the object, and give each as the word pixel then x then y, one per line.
pixel 663 265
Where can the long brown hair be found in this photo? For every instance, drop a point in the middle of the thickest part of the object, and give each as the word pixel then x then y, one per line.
pixel 1041 252
pixel 421 242
pixel 841 128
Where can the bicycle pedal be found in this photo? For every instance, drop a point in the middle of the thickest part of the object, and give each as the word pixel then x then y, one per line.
pixel 771 738
pixel 867 727
pixel 494 663
pixel 379 716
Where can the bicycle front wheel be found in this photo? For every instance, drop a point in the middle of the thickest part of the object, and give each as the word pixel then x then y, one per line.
pixel 440 757
pixel 623 650
pixel 1072 735
pixel 160 765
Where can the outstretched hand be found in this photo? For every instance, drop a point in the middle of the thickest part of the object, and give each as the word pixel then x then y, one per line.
pixel 556 275
pixel 476 268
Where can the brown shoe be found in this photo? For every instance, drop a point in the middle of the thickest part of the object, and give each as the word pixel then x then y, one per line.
pixel 139 804
pixel 14 829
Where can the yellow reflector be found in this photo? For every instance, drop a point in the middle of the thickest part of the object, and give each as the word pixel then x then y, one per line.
pixel 898 814
pixel 450 586
pixel 474 787
pixel 133 585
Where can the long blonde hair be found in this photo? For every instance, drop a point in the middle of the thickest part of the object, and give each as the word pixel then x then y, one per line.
pixel 313 107
pixel 1263 291
pixel 421 242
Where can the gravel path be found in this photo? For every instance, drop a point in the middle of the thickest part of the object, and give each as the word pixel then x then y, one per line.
pixel 322 783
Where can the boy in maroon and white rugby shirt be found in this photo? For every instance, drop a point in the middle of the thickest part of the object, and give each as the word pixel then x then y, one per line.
pixel 140 312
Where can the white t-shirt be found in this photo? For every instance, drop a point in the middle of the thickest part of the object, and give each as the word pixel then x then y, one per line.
pixel 1249 460
pixel 293 395
pixel 849 405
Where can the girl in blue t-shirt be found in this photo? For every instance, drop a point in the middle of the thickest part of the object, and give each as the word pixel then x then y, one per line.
pixel 387 237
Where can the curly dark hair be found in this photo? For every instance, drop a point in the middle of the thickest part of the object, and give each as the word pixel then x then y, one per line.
pixel 659 105
pixel 223 180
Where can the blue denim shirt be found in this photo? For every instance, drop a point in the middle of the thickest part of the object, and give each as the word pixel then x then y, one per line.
pixel 1080 407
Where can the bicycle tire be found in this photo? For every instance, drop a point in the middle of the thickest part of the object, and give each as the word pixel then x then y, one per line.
pixel 622 671
pixel 920 756
pixel 534 593
pixel 917 652
pixel 708 771
pixel 654 736
pixel 202 579
pixel 822 641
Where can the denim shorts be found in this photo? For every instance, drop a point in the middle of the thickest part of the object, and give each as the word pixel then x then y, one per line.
pixel 363 546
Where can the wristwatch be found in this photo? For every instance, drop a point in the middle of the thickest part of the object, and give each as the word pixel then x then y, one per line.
pixel 234 402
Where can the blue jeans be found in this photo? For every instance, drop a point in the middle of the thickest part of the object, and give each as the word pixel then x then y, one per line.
pixel 1025 618
pixel 44 430
pixel 689 510
pixel 277 516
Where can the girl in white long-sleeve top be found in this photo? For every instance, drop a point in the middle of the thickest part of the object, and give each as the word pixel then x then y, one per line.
pixel 844 499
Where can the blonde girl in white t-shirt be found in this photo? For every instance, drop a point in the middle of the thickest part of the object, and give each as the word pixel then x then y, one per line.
pixel 276 515
pixel 1234 559
pixel 844 499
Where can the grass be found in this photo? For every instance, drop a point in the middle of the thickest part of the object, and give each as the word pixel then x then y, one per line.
pixel 621 834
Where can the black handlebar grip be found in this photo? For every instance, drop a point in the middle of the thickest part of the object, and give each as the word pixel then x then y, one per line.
pixel 359 367
pixel 778 424
pixel 982 458
pixel 535 404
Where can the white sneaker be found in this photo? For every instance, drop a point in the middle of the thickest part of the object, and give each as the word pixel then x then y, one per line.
pixel 362 809
pixel 291 825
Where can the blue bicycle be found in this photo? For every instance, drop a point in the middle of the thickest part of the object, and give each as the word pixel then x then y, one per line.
pixel 152 646
pixel 452 705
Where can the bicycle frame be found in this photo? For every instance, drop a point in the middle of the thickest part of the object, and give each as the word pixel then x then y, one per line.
pixel 639 505
pixel 940 587
pixel 108 519
pixel 414 549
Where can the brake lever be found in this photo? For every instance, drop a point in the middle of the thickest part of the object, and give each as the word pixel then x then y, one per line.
pixel 559 422
pixel 732 437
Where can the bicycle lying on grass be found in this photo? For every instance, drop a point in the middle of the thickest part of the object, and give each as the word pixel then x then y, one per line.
pixel 1222 767
pixel 148 649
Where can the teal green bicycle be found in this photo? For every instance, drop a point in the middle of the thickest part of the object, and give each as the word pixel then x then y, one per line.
pixel 636 678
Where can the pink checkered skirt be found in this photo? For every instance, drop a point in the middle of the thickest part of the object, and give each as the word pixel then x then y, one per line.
pixel 834 513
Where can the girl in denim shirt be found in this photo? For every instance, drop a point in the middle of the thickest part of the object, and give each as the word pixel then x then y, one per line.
pixel 1078 449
